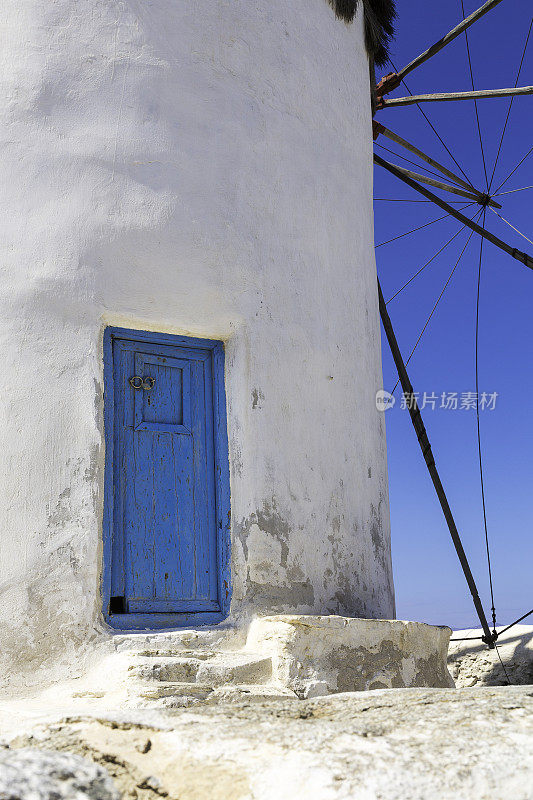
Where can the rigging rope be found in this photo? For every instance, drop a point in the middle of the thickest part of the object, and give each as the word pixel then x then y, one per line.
pixel 514 170
pixel 523 235
pixel 508 628
pixel 503 665
pixel 404 200
pixel 529 613
pixel 511 191
pixel 468 639
pixel 417 273
pixel 414 230
pixel 475 102
pixel 439 137
pixel 480 456
pixel 510 105
pixel 436 303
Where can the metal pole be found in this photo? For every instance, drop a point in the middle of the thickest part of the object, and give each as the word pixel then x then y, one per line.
pixel 379 128
pixel 445 97
pixel 418 424
pixel 477 197
pixel 512 251
pixel 453 34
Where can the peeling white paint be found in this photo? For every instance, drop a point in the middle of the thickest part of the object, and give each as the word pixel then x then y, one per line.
pixel 200 167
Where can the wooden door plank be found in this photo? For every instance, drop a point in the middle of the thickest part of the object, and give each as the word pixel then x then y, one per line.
pixel 173 520
pixel 211 478
pixel 201 497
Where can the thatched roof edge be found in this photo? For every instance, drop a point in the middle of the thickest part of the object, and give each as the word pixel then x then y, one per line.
pixel 379 23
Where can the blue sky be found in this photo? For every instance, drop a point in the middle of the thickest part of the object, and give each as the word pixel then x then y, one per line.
pixel 429 583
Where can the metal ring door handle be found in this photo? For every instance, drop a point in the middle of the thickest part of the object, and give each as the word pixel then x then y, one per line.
pixel 142 383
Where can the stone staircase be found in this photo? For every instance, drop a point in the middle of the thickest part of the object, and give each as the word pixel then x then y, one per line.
pixel 285 656
pixel 174 680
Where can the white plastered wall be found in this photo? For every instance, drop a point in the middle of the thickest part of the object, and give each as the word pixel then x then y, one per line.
pixel 200 167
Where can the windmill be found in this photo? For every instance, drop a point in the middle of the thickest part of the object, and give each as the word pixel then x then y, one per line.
pixel 449 183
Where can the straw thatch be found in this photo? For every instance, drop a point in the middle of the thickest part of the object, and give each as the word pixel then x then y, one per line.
pixel 379 23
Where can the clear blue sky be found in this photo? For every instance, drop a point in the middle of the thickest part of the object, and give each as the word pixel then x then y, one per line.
pixel 429 583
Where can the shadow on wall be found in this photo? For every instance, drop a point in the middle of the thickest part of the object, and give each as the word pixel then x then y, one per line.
pixel 475 665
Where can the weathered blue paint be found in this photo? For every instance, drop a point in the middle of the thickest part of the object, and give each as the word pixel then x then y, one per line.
pixel 167 504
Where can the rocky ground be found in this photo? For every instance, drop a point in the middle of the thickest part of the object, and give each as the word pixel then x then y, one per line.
pixel 35 774
pixel 403 744
pixel 471 663
pixel 259 742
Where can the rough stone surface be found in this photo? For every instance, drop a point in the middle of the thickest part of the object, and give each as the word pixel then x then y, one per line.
pixel 405 744
pixel 471 663
pixel 30 774
pixel 214 669
pixel 285 655
pixel 323 655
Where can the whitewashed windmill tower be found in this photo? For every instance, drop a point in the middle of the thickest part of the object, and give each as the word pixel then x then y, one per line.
pixel 189 319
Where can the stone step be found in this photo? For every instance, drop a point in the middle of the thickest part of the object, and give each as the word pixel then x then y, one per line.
pixel 171 689
pixel 250 693
pixel 179 695
pixel 202 655
pixel 166 668
pixel 232 668
pixel 215 669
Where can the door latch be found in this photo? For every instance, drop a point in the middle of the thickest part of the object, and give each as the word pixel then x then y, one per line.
pixel 142 383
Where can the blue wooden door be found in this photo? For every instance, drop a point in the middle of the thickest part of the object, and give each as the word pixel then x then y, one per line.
pixel 165 543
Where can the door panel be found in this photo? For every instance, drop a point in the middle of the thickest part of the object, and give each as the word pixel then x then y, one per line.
pixel 164 557
pixel 166 406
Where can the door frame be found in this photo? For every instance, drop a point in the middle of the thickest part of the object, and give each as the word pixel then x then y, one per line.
pixel 158 621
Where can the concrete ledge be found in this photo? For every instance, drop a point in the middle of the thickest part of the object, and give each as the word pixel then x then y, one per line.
pixel 315 655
